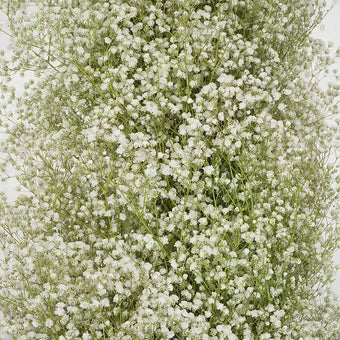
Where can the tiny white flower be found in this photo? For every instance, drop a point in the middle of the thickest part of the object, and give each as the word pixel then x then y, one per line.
pixel 105 302
pixel 208 170
pixel 49 323
pixel 174 264
pixel 150 171
pixel 250 51
pixel 276 95
pixel 242 105
pixel 238 144
pixel 119 287
pixel 86 336
pixel 281 106
pixel 206 127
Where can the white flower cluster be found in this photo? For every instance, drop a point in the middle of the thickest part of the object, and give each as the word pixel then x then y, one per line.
pixel 175 152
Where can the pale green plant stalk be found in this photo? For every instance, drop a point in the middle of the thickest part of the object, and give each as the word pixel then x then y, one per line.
pixel 176 155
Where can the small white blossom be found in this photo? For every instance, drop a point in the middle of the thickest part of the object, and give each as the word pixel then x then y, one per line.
pixel 208 170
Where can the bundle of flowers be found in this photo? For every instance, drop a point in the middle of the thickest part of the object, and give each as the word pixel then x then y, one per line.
pixel 176 155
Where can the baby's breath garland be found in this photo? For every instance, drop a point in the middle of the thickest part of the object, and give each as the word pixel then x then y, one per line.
pixel 176 155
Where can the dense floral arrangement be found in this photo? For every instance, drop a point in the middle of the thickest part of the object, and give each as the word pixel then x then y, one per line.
pixel 176 155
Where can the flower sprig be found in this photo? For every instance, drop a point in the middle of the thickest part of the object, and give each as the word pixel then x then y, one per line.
pixel 176 158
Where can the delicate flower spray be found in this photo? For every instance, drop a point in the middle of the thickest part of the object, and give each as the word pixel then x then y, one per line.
pixel 176 155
